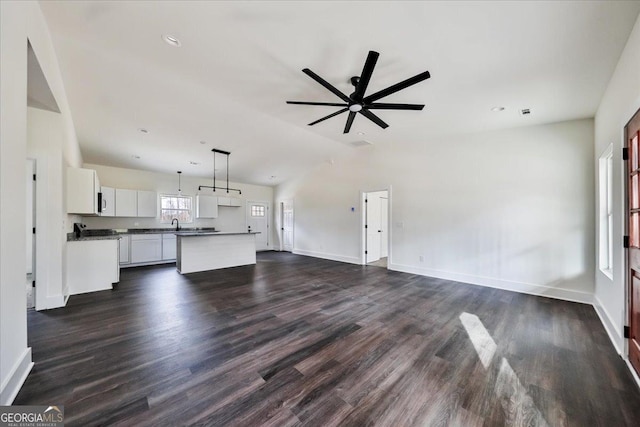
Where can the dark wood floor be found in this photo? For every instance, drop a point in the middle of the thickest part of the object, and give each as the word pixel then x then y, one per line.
pixel 300 341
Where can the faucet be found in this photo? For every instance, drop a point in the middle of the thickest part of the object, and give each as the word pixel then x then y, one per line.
pixel 77 228
pixel 177 223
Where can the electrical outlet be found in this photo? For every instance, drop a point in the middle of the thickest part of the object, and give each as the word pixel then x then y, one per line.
pixel 135 224
pixel 421 258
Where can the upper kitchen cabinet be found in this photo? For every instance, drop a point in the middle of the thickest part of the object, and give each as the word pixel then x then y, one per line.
pixel 229 201
pixel 136 203
pixel 206 206
pixel 126 202
pixel 147 203
pixel 108 201
pixel 83 187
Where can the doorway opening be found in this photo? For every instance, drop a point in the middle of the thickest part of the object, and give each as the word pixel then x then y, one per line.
pixel 375 208
pixel 286 225
pixel 258 221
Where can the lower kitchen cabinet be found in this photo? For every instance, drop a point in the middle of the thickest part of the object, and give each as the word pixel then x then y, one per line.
pixel 146 248
pixel 168 247
pixel 125 254
pixel 92 265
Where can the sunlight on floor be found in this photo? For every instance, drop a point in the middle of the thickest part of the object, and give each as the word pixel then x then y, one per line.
pixel 480 338
pixel 518 406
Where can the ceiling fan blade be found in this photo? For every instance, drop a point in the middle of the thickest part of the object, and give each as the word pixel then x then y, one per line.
pixel 375 119
pixel 329 116
pixel 331 104
pixel 365 76
pixel 326 84
pixel 385 106
pixel 397 87
pixel 347 127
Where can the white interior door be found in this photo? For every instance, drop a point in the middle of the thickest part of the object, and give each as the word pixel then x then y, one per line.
pixel 30 223
pixel 29 217
pixel 258 221
pixel 287 225
pixel 384 221
pixel 372 203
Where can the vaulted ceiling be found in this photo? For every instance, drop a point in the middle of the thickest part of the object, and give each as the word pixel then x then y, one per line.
pixel 239 62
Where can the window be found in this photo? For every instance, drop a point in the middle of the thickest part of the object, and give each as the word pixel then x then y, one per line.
pixel 605 250
pixel 257 210
pixel 176 207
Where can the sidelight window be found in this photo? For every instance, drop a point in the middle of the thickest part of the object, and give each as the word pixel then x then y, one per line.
pixel 605 250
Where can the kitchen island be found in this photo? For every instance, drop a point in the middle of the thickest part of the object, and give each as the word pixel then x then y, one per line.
pixel 203 251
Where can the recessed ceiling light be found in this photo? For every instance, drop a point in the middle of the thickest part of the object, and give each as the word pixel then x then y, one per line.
pixel 193 163
pixel 525 111
pixel 496 109
pixel 203 142
pixel 273 177
pixel 135 156
pixel 171 40
pixel 360 133
pixel 143 130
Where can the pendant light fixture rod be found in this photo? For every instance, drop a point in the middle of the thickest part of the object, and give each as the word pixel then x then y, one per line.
pixel 214 187
pixel 179 183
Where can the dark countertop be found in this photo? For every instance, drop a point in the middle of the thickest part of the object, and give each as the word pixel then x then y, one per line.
pixel 115 233
pixel 71 237
pixel 211 233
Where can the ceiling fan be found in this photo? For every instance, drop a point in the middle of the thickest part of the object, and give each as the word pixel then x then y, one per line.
pixel 357 102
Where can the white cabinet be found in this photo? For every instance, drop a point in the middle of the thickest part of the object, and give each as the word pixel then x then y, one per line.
pixel 92 265
pixel 147 205
pixel 229 201
pixel 136 203
pixel 108 201
pixel 146 248
pixel 83 187
pixel 125 242
pixel 168 246
pixel 126 202
pixel 206 206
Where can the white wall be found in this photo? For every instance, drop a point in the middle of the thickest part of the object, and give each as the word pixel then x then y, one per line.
pixel 19 22
pixel 511 208
pixel 229 219
pixel 619 103
pixel 15 356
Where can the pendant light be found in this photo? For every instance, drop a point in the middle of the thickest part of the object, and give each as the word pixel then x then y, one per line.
pixel 214 187
pixel 179 183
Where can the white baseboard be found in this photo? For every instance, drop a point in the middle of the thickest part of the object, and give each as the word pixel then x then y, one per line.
pixel 324 255
pixel 16 378
pixel 615 335
pixel 634 374
pixel 524 288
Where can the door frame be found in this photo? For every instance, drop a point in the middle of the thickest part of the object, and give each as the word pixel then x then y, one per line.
pixel 363 221
pixel 268 216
